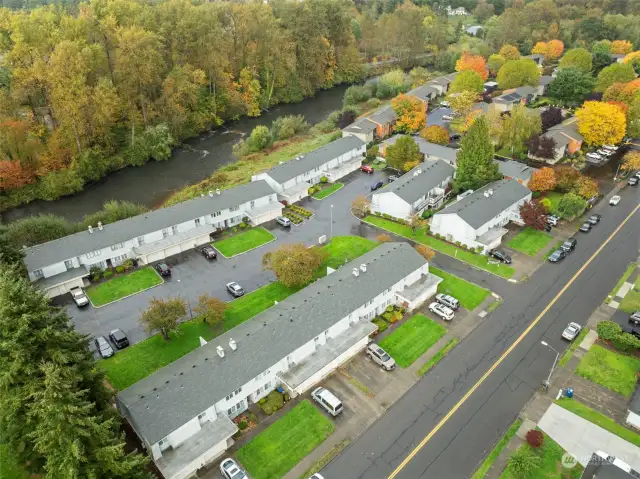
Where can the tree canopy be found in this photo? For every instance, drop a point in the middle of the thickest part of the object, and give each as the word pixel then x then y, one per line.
pixel 601 123
pixel 475 165
pixel 294 264
pixel 616 73
pixel 578 58
pixel 571 86
pixel 468 80
pixel 515 73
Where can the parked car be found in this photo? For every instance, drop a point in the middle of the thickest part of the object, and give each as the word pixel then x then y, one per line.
pixel 569 245
pixel 442 311
pixel 380 356
pixel 500 255
pixel 283 221
pixel 445 104
pixel 594 156
pixel 447 117
pixel 610 147
pixel 235 289
pixel 377 185
pixel 103 347
pixel 230 469
pixel 592 201
pixel 79 296
pixel 327 400
pixel 393 178
pixel 635 318
pixel 448 301
pixel 586 227
pixel 163 269
pixel 604 152
pixel 615 199
pixel 594 219
pixel 209 252
pixel 571 331
pixel 455 137
pixel 558 255
pixel 316 476
pixel 118 338
pixel 553 220
pixel 366 169
pixel 633 181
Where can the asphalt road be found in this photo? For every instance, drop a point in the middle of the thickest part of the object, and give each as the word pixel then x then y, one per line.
pixel 457 448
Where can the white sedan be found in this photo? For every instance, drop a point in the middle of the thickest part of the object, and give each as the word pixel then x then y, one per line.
pixel 571 331
pixel 614 200
pixel 230 469
pixel 442 311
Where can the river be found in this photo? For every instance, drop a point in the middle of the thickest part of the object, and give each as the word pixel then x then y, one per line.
pixel 190 163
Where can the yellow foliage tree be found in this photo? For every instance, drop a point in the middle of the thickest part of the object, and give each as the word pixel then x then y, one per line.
pixel 461 103
pixel 633 58
pixel 551 50
pixel 601 123
pixel 510 52
pixel 621 47
pixel 435 134
pixel 631 161
pixel 411 113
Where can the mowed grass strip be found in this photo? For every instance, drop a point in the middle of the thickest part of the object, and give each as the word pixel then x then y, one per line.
pixel 412 339
pixel 477 260
pixel 242 242
pixel 631 302
pixel 572 347
pixel 614 371
pixel 328 191
pixel 275 451
pixel 530 241
pixel 470 295
pixel 495 452
pixel 121 286
pixel 439 356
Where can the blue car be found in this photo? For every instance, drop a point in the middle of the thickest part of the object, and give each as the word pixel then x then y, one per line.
pixel 377 185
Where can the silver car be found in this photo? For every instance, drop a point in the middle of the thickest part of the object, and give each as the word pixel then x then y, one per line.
pixel 79 296
pixel 381 357
pixel 448 301
pixel 230 469
pixel 442 311
pixel 571 331
pixel 103 347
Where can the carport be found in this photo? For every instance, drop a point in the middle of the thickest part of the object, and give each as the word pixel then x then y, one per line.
pixel 173 244
pixel 62 283
pixel 295 193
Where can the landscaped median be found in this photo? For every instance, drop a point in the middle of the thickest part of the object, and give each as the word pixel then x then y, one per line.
pixel 142 359
pixel 421 236
pixel 243 242
pixel 122 286
pixel 412 339
pixel 328 191
pixel 530 241
pixel 276 450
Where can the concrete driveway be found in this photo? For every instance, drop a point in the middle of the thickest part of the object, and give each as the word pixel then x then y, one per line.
pixel 193 275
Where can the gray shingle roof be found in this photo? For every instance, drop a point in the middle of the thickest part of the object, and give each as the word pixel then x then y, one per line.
pixel 546 79
pixel 515 169
pixel 39 256
pixel 384 115
pixel 512 97
pixel 410 186
pixel 569 127
pixel 423 92
pixel 427 148
pixel 361 125
pixel 169 398
pixel 476 209
pixel 526 90
pixel 307 162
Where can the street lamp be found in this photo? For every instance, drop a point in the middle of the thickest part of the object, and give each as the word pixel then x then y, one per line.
pixel 188 303
pixel 331 224
pixel 555 361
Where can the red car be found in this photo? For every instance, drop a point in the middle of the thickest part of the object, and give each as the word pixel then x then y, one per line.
pixel 366 169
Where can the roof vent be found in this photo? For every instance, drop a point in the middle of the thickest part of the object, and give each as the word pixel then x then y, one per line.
pixel 356 273
pixel 220 351
pixel 217 191
pixel 363 268
pixel 232 344
pixel 100 225
pixel 90 229
pixel 210 194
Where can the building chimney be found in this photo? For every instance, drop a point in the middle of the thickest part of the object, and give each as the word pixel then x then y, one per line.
pixel 356 272
pixel 363 268
pixel 217 191
pixel 100 225
pixel 232 344
pixel 90 229
pixel 210 194
pixel 220 351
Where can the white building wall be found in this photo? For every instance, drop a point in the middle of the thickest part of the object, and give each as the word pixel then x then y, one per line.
pixel 203 460
pixel 391 204
pixel 183 433
pixel 633 420
pixel 272 183
pixel 453 228
pixel 367 137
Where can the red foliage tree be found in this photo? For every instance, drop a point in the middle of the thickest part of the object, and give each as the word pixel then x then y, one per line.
pixel 533 214
pixel 13 175
pixel 543 180
pixel 535 438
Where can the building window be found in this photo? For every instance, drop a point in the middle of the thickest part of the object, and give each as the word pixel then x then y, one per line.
pixel 37 273
pixel 117 246
pixel 235 208
pixel 140 240
pixel 197 220
pixel 217 213
pixel 93 254
pixel 68 264
pixel 253 203
pixel 270 199
pixel 174 230
pixel 165 232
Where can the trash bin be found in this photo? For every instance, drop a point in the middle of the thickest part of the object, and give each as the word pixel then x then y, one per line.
pixel 569 393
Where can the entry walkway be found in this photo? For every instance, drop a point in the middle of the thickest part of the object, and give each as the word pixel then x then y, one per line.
pixel 581 438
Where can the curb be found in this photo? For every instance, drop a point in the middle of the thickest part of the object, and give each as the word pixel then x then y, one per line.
pixel 247 251
pixel 132 294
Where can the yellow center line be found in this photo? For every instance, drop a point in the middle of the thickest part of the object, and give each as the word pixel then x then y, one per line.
pixel 507 352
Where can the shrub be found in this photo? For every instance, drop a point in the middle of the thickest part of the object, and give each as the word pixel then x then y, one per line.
pixel 235 229
pixel 387 316
pixel 523 462
pixel 625 342
pixel 242 225
pixel 457 243
pixel 107 274
pixel 426 214
pixel 262 401
pixel 381 323
pixel 95 270
pixel 373 103
pixel 324 179
pixel 287 126
pixel 127 264
pixel 389 309
pixel 120 269
pixel 240 149
pixel 259 139
pixel 535 438
pixel 286 397
pixel 607 330
pixel 356 94
pixel 242 425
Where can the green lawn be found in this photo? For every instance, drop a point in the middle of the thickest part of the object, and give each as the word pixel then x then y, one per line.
pixel 572 347
pixel 477 260
pixel 438 357
pixel 630 269
pixel 242 242
pixel 550 466
pixel 121 286
pixel 599 419
pixel 612 370
pixel 469 294
pixel 412 339
pixel 9 469
pixel 529 241
pixel 142 359
pixel 495 452
pixel 631 302
pixel 329 190
pixel 276 450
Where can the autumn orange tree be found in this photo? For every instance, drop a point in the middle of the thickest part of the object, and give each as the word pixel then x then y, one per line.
pixel 621 47
pixel 631 161
pixel 632 58
pixel 425 251
pixel 411 113
pixel 586 187
pixel 509 52
pixel 475 63
pixel 13 175
pixel 435 134
pixel 601 123
pixel 551 50
pixel 622 92
pixel 543 180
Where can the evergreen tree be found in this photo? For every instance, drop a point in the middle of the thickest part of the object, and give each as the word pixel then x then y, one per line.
pixel 10 253
pixel 475 165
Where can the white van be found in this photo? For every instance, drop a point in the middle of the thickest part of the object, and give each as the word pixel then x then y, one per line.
pixel 327 400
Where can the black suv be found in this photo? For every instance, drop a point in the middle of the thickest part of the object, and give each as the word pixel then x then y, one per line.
pixel 594 219
pixel 586 227
pixel 569 245
pixel 209 252
pixel 500 255
pixel 163 269
pixel 118 338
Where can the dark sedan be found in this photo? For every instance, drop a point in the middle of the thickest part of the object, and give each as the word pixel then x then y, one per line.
pixel 377 185
pixel 163 269
pixel 557 256
pixel 569 245
pixel 594 219
pixel 209 252
pixel 500 255
pixel 586 227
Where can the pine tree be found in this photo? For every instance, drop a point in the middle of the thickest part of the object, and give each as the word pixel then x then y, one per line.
pixel 475 165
